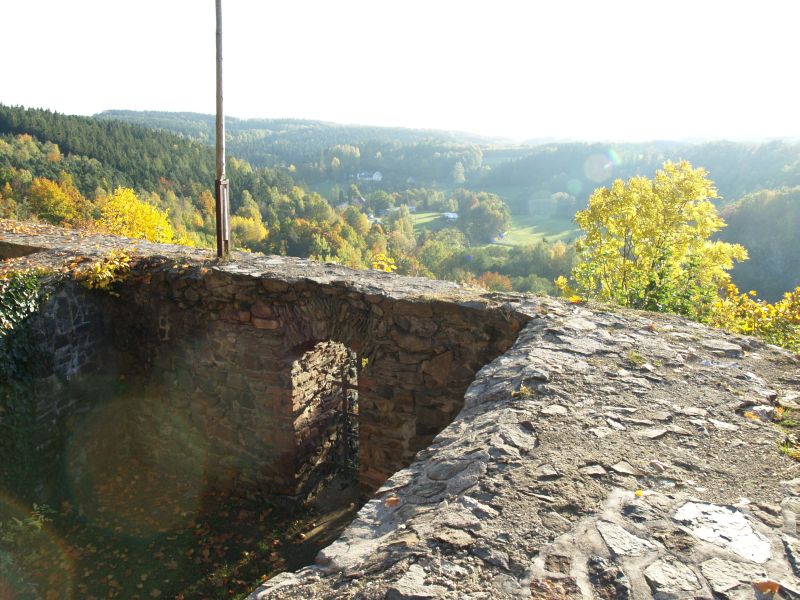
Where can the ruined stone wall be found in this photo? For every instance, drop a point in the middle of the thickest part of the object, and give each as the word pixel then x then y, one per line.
pixel 67 353
pixel 71 335
pixel 218 345
pixel 206 350
pixel 608 454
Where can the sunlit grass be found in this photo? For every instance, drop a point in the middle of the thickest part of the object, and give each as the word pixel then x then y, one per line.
pixel 428 220
pixel 525 229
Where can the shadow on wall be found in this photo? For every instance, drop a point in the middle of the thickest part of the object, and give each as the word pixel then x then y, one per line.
pixel 257 366
pixel 267 386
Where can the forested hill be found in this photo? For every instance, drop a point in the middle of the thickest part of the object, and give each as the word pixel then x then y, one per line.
pixel 351 194
pixel 320 133
pixel 737 168
pixel 130 155
pixel 767 223
pixel 320 152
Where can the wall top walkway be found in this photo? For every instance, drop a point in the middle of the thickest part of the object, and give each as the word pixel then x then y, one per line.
pixel 58 246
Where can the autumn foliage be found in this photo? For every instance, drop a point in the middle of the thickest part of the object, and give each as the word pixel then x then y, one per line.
pixel 777 323
pixel 647 244
pixel 124 214
pixel 494 282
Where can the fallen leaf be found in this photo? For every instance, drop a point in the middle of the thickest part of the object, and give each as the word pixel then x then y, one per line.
pixel 767 586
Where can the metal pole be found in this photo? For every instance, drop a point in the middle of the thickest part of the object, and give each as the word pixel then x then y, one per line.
pixel 221 184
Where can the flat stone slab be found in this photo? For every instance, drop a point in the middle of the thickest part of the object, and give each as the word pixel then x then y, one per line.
pixel 621 542
pixel 725 575
pixel 726 527
pixel 671 578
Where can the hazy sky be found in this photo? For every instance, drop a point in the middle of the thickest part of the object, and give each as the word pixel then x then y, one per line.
pixel 595 69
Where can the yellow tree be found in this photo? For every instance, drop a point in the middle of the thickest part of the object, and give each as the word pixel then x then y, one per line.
pixel 646 243
pixel 247 225
pixel 778 323
pixel 124 214
pixel 57 202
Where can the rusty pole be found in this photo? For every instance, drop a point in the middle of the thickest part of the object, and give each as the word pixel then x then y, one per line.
pixel 221 184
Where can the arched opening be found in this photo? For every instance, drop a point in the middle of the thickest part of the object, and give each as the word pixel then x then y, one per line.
pixel 325 415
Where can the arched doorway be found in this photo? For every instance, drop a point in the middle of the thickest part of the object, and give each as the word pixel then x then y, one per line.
pixel 325 414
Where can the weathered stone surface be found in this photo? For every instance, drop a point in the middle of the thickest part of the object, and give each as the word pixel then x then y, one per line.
pixel 593 471
pixel 725 526
pixel 724 575
pixel 440 366
pixel 455 537
pixel 621 542
pixel 671 578
pixel 546 471
pixel 608 580
pixel 555 410
pixel 625 468
pixel 411 586
pixel 792 545
pixel 446 469
pixel 723 348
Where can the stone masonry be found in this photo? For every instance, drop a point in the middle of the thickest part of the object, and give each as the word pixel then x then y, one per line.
pixel 586 451
pixel 325 410
pixel 216 345
pixel 608 454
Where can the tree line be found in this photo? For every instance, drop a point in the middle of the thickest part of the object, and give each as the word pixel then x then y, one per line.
pixel 271 211
pixel 70 171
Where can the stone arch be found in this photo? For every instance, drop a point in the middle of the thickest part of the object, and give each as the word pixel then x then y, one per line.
pixel 416 359
pixel 234 338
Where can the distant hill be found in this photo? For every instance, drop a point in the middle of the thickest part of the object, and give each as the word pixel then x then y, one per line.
pixel 329 152
pixel 767 223
pixel 321 151
pixel 202 126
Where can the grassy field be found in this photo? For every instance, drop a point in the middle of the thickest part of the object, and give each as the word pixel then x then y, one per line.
pixel 525 229
pixel 428 220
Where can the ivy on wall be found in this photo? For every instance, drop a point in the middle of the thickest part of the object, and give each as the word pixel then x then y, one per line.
pixel 19 298
pixel 28 447
pixel 21 295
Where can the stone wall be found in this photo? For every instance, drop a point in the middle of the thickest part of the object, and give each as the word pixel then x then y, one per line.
pixel 608 454
pixel 68 355
pixel 209 352
pixel 217 345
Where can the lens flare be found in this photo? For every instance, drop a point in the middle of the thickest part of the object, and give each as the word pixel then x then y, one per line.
pixel 34 561
pixel 137 467
pixel 574 187
pixel 598 168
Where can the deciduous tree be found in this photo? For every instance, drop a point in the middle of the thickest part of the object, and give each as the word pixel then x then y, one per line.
pixel 647 243
pixel 124 214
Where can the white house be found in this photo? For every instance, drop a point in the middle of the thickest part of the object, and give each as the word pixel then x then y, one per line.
pixel 376 176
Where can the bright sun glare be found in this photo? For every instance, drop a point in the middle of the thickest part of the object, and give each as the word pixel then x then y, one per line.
pixel 623 70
